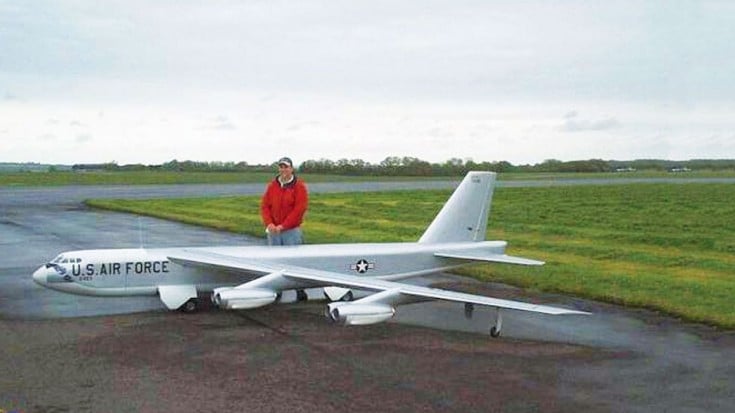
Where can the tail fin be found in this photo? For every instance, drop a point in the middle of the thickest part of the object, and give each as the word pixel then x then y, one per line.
pixel 464 217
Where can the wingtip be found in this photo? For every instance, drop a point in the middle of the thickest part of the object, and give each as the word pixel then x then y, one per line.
pixel 575 312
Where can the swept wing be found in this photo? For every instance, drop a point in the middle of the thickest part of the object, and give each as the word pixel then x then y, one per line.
pixel 285 276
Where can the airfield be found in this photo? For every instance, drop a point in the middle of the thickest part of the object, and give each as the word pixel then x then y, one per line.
pixel 70 353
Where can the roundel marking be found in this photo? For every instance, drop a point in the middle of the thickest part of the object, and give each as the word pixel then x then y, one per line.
pixel 362 266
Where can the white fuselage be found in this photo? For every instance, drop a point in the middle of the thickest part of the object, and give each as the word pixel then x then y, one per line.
pixel 126 272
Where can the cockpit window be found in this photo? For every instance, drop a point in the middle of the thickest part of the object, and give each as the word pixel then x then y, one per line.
pixel 60 259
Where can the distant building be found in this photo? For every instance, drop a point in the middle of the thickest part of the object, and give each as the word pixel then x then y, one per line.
pixel 679 169
pixel 625 169
pixel 31 167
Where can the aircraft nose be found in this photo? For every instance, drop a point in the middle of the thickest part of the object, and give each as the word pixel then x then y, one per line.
pixel 40 276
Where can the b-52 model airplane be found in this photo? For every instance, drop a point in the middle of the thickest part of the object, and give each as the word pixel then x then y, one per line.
pixel 254 276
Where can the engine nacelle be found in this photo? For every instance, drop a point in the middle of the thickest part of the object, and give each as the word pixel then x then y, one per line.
pixel 359 314
pixel 242 298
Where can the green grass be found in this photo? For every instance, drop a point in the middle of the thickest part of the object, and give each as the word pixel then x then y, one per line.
pixel 22 179
pixel 125 178
pixel 17 179
pixel 669 247
pixel 520 176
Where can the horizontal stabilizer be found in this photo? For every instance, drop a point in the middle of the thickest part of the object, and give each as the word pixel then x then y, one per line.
pixel 478 256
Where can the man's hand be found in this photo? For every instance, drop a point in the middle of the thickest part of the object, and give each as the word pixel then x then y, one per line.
pixel 271 228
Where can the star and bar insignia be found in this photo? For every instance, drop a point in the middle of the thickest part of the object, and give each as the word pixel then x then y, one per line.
pixel 362 266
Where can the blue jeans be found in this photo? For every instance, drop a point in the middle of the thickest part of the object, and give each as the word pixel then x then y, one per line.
pixel 290 237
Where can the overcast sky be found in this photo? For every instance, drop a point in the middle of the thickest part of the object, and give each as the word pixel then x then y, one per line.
pixel 522 81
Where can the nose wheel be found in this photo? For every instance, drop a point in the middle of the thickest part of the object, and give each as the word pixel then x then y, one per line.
pixel 495 329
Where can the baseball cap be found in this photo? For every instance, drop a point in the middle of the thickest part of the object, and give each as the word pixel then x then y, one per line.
pixel 285 161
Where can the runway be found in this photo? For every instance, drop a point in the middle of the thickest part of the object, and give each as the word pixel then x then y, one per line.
pixel 72 353
pixel 74 194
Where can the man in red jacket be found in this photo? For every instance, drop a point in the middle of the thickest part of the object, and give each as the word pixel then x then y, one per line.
pixel 283 206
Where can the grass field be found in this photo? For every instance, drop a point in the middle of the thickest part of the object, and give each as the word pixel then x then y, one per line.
pixel 19 179
pixel 125 178
pixel 669 247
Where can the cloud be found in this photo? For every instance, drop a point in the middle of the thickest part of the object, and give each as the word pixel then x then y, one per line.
pixel 47 137
pixel 715 144
pixel 438 132
pixel 221 123
pixel 83 138
pixel 76 123
pixel 299 126
pixel 372 73
pixel 573 124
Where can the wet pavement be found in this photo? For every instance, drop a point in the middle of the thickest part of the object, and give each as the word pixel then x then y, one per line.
pixel 617 359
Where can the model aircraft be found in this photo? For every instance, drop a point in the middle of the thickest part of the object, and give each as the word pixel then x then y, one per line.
pixel 254 276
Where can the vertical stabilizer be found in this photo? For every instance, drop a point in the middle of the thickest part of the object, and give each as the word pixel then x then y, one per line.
pixel 464 217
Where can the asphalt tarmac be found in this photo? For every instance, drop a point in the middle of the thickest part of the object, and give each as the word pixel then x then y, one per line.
pixel 64 353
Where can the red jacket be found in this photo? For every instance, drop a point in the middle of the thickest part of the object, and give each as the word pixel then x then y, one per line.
pixel 284 205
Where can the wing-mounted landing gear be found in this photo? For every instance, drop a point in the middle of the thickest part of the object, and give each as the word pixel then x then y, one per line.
pixel 469 309
pixel 338 294
pixel 495 330
pixel 301 295
pixel 190 306
pixel 179 297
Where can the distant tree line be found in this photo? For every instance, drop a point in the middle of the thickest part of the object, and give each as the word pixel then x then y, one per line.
pixel 177 166
pixel 410 166
pixel 401 166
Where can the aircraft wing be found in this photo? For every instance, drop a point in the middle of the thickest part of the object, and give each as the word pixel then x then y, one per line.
pixel 318 278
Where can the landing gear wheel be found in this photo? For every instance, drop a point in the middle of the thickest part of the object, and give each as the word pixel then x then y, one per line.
pixel 469 309
pixel 190 306
pixel 495 330
pixel 301 295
